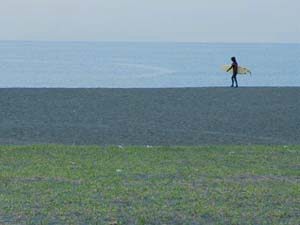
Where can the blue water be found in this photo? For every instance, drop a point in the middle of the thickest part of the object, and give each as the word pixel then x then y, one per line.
pixel 140 65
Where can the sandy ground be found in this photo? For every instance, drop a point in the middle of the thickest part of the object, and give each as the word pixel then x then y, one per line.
pixel 191 116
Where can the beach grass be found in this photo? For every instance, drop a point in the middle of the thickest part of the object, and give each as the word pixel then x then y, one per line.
pixel 51 184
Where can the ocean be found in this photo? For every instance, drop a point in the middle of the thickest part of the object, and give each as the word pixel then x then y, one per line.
pixel 144 65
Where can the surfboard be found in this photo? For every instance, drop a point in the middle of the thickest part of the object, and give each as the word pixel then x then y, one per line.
pixel 241 70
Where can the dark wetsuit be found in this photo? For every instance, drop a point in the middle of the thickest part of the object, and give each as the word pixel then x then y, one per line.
pixel 234 66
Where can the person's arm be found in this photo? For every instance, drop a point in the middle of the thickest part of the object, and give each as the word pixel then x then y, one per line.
pixel 230 68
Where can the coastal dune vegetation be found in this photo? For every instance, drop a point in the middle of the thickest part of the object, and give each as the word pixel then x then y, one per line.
pixel 59 184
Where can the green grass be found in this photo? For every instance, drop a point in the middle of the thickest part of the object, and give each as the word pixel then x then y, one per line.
pixel 135 185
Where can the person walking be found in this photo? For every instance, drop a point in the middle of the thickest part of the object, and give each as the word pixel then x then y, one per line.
pixel 234 67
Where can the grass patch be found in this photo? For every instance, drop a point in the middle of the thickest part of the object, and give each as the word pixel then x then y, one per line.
pixel 139 185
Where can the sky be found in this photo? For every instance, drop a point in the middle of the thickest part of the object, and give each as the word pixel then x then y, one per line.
pixel 151 20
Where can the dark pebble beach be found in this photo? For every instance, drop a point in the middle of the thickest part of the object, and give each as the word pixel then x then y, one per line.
pixel 155 117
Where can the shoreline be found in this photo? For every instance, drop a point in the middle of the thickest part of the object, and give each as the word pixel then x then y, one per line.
pixel 141 88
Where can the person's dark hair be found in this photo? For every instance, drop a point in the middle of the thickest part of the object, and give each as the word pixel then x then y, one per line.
pixel 233 59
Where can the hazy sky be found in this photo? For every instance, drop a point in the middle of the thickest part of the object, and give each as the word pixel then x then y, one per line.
pixel 151 20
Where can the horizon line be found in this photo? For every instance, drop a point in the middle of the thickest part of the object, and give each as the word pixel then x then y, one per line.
pixel 151 41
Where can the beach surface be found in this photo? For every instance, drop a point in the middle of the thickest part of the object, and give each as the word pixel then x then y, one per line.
pixel 156 117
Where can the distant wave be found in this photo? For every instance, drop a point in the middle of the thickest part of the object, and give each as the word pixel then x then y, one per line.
pixel 153 70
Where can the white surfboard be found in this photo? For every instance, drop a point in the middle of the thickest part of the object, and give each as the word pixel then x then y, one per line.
pixel 241 70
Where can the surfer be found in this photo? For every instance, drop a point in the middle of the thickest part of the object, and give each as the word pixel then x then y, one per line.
pixel 234 67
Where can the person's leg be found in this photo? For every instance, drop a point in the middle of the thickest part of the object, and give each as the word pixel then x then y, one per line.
pixel 232 80
pixel 236 83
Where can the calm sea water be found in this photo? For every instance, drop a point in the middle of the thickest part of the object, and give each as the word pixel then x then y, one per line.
pixel 144 65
